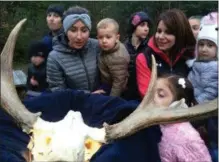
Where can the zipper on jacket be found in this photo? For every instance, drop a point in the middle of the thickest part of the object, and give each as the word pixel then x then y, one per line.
pixel 86 72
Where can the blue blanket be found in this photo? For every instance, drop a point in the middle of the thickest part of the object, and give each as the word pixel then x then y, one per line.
pixel 95 109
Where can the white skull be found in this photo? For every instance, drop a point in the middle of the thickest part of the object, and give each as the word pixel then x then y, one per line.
pixel 63 140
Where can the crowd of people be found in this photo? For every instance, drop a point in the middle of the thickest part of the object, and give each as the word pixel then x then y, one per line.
pixel 186 53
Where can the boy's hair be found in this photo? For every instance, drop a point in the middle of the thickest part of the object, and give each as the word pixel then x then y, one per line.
pixel 178 25
pixel 104 23
pixel 178 91
pixel 56 8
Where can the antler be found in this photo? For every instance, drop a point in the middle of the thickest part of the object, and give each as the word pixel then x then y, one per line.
pixel 50 141
pixel 10 101
pixel 147 114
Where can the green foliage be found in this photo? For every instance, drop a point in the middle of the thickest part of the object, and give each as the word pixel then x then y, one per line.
pixel 35 12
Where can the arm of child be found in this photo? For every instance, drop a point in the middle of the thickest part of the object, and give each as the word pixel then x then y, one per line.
pixel 54 74
pixel 120 75
pixel 143 74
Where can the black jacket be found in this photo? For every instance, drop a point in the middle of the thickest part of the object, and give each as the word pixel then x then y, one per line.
pixel 39 74
pixel 131 93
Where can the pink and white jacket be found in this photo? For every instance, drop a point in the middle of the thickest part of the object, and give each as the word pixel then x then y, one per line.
pixel 182 143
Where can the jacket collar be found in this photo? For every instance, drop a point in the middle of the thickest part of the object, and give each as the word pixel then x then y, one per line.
pixel 164 56
pixel 143 43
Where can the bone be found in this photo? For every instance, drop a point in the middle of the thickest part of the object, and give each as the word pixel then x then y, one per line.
pixel 10 101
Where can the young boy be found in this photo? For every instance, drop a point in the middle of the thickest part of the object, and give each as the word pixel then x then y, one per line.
pixel 114 58
pixel 36 79
pixel 54 16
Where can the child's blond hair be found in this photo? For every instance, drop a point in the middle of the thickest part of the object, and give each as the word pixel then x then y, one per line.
pixel 104 23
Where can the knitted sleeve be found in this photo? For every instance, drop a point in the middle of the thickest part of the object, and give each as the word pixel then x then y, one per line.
pixel 143 74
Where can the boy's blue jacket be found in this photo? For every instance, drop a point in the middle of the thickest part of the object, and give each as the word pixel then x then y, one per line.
pixel 95 109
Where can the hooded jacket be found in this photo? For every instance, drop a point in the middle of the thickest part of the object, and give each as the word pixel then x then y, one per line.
pixel 39 74
pixel 71 68
pixel 48 38
pixel 164 65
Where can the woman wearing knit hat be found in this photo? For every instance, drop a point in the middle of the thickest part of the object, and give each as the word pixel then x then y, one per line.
pixel 54 15
pixel 138 36
pixel 73 61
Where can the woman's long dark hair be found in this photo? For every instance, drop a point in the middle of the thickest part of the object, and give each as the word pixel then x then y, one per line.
pixel 178 25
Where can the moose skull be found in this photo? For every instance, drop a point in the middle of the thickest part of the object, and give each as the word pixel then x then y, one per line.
pixel 64 140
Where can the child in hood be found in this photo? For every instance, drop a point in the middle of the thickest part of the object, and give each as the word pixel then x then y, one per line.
pixel 36 79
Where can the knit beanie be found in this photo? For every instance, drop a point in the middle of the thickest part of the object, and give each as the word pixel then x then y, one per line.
pixel 209 28
pixel 38 48
pixel 138 18
pixel 57 9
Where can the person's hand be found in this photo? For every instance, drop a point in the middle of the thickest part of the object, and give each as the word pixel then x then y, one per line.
pixel 33 82
pixel 99 91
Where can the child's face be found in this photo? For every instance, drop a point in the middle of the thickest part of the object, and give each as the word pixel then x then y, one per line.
pixel 206 50
pixel 164 40
pixel 195 26
pixel 37 60
pixel 163 95
pixel 142 30
pixel 107 37
pixel 54 21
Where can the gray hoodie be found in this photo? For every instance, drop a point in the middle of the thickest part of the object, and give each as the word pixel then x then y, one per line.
pixel 70 68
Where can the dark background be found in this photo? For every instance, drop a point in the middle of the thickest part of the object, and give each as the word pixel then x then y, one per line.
pixel 13 11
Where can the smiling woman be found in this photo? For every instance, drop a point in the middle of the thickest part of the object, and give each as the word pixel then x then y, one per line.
pixel 172 45
pixel 73 61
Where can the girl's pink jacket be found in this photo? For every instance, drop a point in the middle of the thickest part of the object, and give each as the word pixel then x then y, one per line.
pixel 182 143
